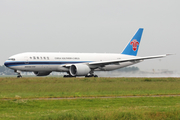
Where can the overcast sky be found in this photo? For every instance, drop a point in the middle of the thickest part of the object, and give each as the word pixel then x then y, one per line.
pixel 98 26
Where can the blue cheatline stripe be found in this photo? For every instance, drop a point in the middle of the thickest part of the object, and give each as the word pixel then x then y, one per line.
pixel 21 63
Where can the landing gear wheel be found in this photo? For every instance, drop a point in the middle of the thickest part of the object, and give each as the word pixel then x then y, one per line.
pixel 68 76
pixel 87 76
pixel 91 76
pixel 95 76
pixel 19 76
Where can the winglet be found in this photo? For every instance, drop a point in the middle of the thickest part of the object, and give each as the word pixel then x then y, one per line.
pixel 133 45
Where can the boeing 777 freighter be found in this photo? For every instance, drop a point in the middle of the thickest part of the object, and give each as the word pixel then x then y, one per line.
pixel 77 64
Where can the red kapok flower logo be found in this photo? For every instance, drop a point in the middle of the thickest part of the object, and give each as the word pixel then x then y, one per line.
pixel 134 44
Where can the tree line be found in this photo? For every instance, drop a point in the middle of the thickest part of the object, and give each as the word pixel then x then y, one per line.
pixel 6 71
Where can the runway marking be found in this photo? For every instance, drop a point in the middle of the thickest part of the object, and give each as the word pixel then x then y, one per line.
pixel 71 98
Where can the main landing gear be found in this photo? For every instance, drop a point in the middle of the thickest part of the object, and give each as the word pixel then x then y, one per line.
pixel 68 76
pixel 75 76
pixel 91 75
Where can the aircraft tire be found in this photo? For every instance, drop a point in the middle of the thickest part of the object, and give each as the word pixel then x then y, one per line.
pixel 95 76
pixel 19 76
pixel 68 76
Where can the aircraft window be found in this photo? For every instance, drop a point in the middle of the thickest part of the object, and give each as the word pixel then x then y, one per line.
pixel 48 58
pixel 41 57
pixel 30 57
pixel 44 57
pixel 34 57
pixel 37 57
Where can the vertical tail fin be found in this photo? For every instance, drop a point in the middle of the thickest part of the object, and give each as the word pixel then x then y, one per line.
pixel 133 45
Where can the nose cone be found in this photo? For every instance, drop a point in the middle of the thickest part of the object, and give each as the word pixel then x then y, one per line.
pixel 6 64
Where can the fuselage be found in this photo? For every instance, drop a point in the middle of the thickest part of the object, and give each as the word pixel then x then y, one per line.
pixel 46 61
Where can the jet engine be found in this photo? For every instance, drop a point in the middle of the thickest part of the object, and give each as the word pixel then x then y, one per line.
pixel 42 73
pixel 79 70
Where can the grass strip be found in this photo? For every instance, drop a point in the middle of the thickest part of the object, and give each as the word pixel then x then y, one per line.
pixel 48 87
pixel 92 109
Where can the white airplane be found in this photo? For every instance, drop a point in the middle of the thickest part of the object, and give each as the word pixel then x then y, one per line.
pixel 77 64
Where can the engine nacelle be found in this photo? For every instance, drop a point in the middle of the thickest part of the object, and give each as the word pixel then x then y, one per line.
pixel 79 70
pixel 42 73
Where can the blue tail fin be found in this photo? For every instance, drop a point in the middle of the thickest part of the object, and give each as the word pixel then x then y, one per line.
pixel 133 45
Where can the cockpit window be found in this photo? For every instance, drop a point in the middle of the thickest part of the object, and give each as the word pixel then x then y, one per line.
pixel 11 59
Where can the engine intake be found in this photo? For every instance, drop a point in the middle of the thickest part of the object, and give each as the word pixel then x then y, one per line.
pixel 79 70
pixel 42 73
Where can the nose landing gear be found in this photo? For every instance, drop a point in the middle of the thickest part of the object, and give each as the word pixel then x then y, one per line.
pixel 18 73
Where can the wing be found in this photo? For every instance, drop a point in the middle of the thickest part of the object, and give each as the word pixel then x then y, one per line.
pixel 134 59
